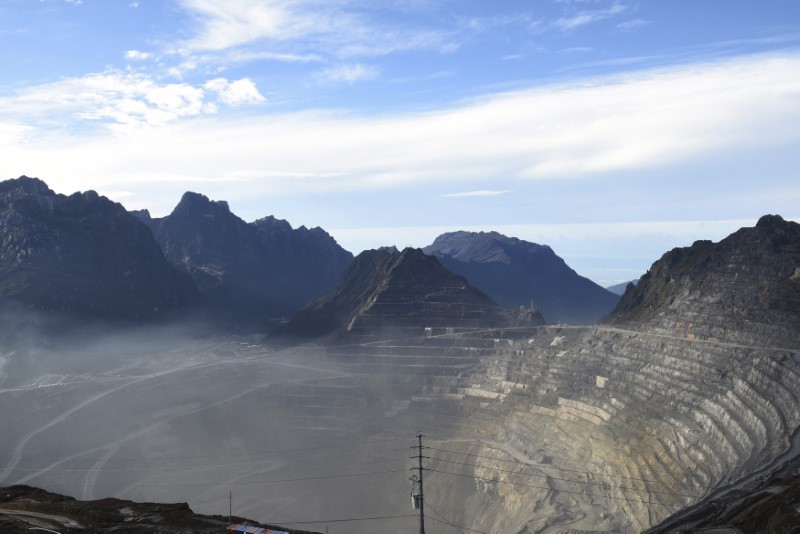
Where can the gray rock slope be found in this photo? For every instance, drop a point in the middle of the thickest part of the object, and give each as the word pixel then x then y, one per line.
pixel 691 385
pixel 257 270
pixel 83 254
pixel 399 291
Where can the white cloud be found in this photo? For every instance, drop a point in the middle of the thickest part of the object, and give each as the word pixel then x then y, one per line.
pixel 124 100
pixel 634 122
pixel 133 5
pixel 12 133
pixel 479 193
pixel 348 73
pixel 235 22
pixel 301 28
pixel 136 55
pixel 583 18
pixel 632 25
pixel 237 93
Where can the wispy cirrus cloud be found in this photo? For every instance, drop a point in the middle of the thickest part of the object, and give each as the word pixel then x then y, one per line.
pixel 632 25
pixel 348 73
pixel 479 193
pixel 583 18
pixel 301 27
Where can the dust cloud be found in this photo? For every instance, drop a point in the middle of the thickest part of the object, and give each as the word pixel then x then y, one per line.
pixel 183 413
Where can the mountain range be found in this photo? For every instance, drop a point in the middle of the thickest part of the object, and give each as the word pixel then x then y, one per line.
pixel 83 254
pixel 680 405
pixel 248 271
pixel 86 254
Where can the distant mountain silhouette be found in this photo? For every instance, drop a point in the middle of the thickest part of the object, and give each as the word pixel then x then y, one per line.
pixel 619 289
pixel 83 254
pixel 513 272
pixel 406 291
pixel 249 271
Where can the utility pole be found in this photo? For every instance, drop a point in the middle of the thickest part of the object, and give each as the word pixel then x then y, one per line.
pixel 230 506
pixel 421 497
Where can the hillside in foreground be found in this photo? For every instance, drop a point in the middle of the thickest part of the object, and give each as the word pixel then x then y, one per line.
pixel 25 508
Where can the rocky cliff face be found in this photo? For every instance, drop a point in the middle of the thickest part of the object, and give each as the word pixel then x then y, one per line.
pixel 401 291
pixel 513 272
pixel 82 254
pixel 258 270
pixel 744 289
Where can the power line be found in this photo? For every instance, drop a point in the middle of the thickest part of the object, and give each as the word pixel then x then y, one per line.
pixel 257 453
pixel 446 522
pixel 251 482
pixel 212 466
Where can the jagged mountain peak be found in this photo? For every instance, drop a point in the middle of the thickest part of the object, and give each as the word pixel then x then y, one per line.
pixel 143 214
pixel 82 253
pixel 198 203
pixel 761 263
pixel 250 272
pixel 772 221
pixel 271 223
pixel 484 246
pixel 26 184
pixel 383 291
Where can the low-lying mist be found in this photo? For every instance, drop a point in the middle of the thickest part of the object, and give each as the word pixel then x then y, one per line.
pixel 184 413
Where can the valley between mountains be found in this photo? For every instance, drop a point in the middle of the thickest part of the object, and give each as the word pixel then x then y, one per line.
pixel 197 357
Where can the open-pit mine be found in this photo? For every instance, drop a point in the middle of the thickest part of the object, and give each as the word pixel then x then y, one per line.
pixel 688 392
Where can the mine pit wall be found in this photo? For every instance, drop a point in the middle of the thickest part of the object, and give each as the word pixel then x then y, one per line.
pixel 598 428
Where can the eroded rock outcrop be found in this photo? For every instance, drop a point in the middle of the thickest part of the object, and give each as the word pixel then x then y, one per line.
pixel 83 254
pixel 248 271
pixel 406 291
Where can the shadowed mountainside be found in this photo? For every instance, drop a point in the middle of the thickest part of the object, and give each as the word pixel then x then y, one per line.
pixel 746 288
pixel 513 271
pixel 249 271
pixel 83 254
pixel 384 289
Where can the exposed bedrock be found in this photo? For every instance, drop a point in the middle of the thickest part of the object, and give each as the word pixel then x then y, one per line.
pixel 691 384
pixel 602 429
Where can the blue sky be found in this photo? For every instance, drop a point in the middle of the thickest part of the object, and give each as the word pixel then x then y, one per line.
pixel 610 130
